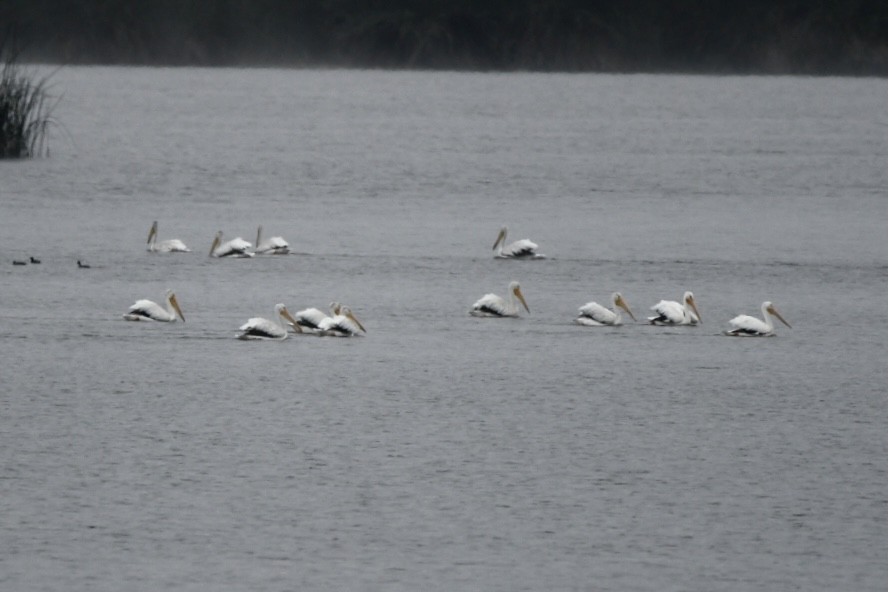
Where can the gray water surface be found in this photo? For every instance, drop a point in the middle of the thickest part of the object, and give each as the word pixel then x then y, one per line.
pixel 441 451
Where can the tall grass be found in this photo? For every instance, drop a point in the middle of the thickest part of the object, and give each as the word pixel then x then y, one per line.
pixel 25 113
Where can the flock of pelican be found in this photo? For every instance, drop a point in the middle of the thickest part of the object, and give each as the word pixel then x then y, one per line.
pixel 668 313
pixel 341 322
pixel 593 314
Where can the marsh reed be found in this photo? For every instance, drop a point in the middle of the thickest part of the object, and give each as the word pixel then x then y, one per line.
pixel 25 112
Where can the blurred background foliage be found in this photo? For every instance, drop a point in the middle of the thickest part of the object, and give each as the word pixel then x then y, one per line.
pixel 791 36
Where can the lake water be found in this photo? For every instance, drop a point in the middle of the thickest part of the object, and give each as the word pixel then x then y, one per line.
pixel 442 451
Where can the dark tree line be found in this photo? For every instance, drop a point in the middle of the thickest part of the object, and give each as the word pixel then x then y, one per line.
pixel 797 36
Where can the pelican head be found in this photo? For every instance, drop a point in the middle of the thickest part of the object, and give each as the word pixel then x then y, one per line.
pixel 282 311
pixel 171 298
pixel 501 237
pixel 335 307
pixel 216 242
pixel 769 308
pixel 515 289
pixel 346 311
pixel 689 300
pixel 152 234
pixel 621 302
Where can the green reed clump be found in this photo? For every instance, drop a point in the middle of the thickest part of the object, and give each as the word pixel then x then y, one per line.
pixel 24 113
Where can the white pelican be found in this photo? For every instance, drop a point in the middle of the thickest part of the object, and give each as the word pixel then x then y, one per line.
pixel 520 249
pixel 593 314
pixel 310 319
pixel 745 325
pixel 670 312
pixel 343 324
pixel 259 328
pixel 272 246
pixel 148 310
pixel 235 248
pixel 491 305
pixel 172 245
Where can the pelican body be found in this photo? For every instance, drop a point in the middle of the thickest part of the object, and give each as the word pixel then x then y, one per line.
pixel 747 326
pixel 491 305
pixel 172 245
pixel 148 310
pixel 520 249
pixel 310 319
pixel 343 324
pixel 671 313
pixel 260 328
pixel 593 314
pixel 235 248
pixel 275 245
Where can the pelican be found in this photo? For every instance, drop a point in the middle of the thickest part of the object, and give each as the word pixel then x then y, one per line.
pixel 272 246
pixel 520 249
pixel 259 328
pixel 491 305
pixel 172 245
pixel 670 312
pixel 148 310
pixel 745 325
pixel 310 319
pixel 235 248
pixel 344 324
pixel 593 314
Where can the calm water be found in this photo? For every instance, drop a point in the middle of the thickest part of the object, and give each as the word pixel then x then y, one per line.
pixel 440 451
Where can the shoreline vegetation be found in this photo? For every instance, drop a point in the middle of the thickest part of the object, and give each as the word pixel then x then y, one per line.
pixel 813 37
pixel 25 114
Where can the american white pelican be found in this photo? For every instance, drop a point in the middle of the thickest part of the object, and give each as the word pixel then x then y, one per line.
pixel 235 248
pixel 670 312
pixel 272 246
pixel 259 328
pixel 310 319
pixel 344 324
pixel 491 305
pixel 148 310
pixel 172 245
pixel 520 249
pixel 593 314
pixel 745 325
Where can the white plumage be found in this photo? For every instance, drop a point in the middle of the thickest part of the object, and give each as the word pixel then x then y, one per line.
pixel 235 248
pixel 310 319
pixel 260 328
pixel 593 314
pixel 747 326
pixel 491 305
pixel 670 312
pixel 344 324
pixel 275 245
pixel 148 310
pixel 172 245
pixel 520 249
